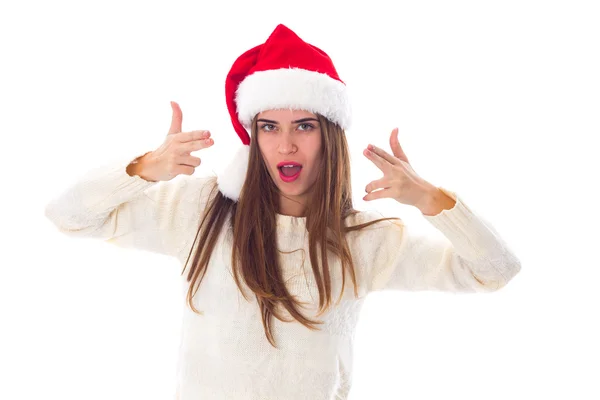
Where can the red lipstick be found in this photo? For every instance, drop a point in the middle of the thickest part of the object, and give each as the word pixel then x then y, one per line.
pixel 289 165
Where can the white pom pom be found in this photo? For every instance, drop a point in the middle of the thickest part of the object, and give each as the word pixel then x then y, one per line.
pixel 231 179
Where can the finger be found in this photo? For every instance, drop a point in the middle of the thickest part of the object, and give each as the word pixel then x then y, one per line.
pixel 377 160
pixel 195 145
pixel 184 170
pixel 189 160
pixel 184 137
pixel 382 183
pixel 383 154
pixel 378 194
pixel 176 119
pixel 395 145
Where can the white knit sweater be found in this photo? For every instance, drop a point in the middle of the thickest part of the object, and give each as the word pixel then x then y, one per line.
pixel 224 353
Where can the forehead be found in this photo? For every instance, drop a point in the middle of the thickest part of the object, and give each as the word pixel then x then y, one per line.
pixel 286 114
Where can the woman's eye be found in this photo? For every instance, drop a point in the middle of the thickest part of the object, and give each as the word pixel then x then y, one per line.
pixel 271 127
pixel 308 126
pixel 266 126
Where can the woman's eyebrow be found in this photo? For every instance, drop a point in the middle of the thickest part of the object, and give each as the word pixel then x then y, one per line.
pixel 269 121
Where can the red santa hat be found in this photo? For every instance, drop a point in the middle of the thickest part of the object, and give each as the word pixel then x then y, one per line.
pixel 285 72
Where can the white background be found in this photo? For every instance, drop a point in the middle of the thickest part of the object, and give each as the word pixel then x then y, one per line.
pixel 498 101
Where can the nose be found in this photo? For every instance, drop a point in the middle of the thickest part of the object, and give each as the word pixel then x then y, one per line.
pixel 286 143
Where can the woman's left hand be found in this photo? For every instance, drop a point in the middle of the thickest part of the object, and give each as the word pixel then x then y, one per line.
pixel 400 181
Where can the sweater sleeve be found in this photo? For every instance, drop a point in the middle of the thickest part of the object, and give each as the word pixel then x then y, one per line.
pixel 109 204
pixel 470 257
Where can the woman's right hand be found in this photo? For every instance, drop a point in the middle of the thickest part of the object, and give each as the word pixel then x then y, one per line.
pixel 173 157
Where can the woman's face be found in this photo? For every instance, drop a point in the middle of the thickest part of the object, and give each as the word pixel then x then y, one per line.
pixel 287 137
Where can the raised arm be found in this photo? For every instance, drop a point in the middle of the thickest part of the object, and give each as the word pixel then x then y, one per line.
pixel 136 203
pixel 471 257
pixel 109 204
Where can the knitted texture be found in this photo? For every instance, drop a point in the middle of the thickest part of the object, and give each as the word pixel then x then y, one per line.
pixel 224 353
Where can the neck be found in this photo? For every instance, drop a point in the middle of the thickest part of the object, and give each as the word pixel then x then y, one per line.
pixel 292 206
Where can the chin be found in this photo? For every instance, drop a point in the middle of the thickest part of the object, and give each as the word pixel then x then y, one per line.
pixel 294 189
pixel 293 192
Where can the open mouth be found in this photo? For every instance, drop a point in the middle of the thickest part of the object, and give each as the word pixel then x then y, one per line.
pixel 289 174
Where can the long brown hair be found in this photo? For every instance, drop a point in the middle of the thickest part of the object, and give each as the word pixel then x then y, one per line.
pixel 253 223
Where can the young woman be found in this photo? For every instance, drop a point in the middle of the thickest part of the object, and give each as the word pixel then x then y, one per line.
pixel 281 262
